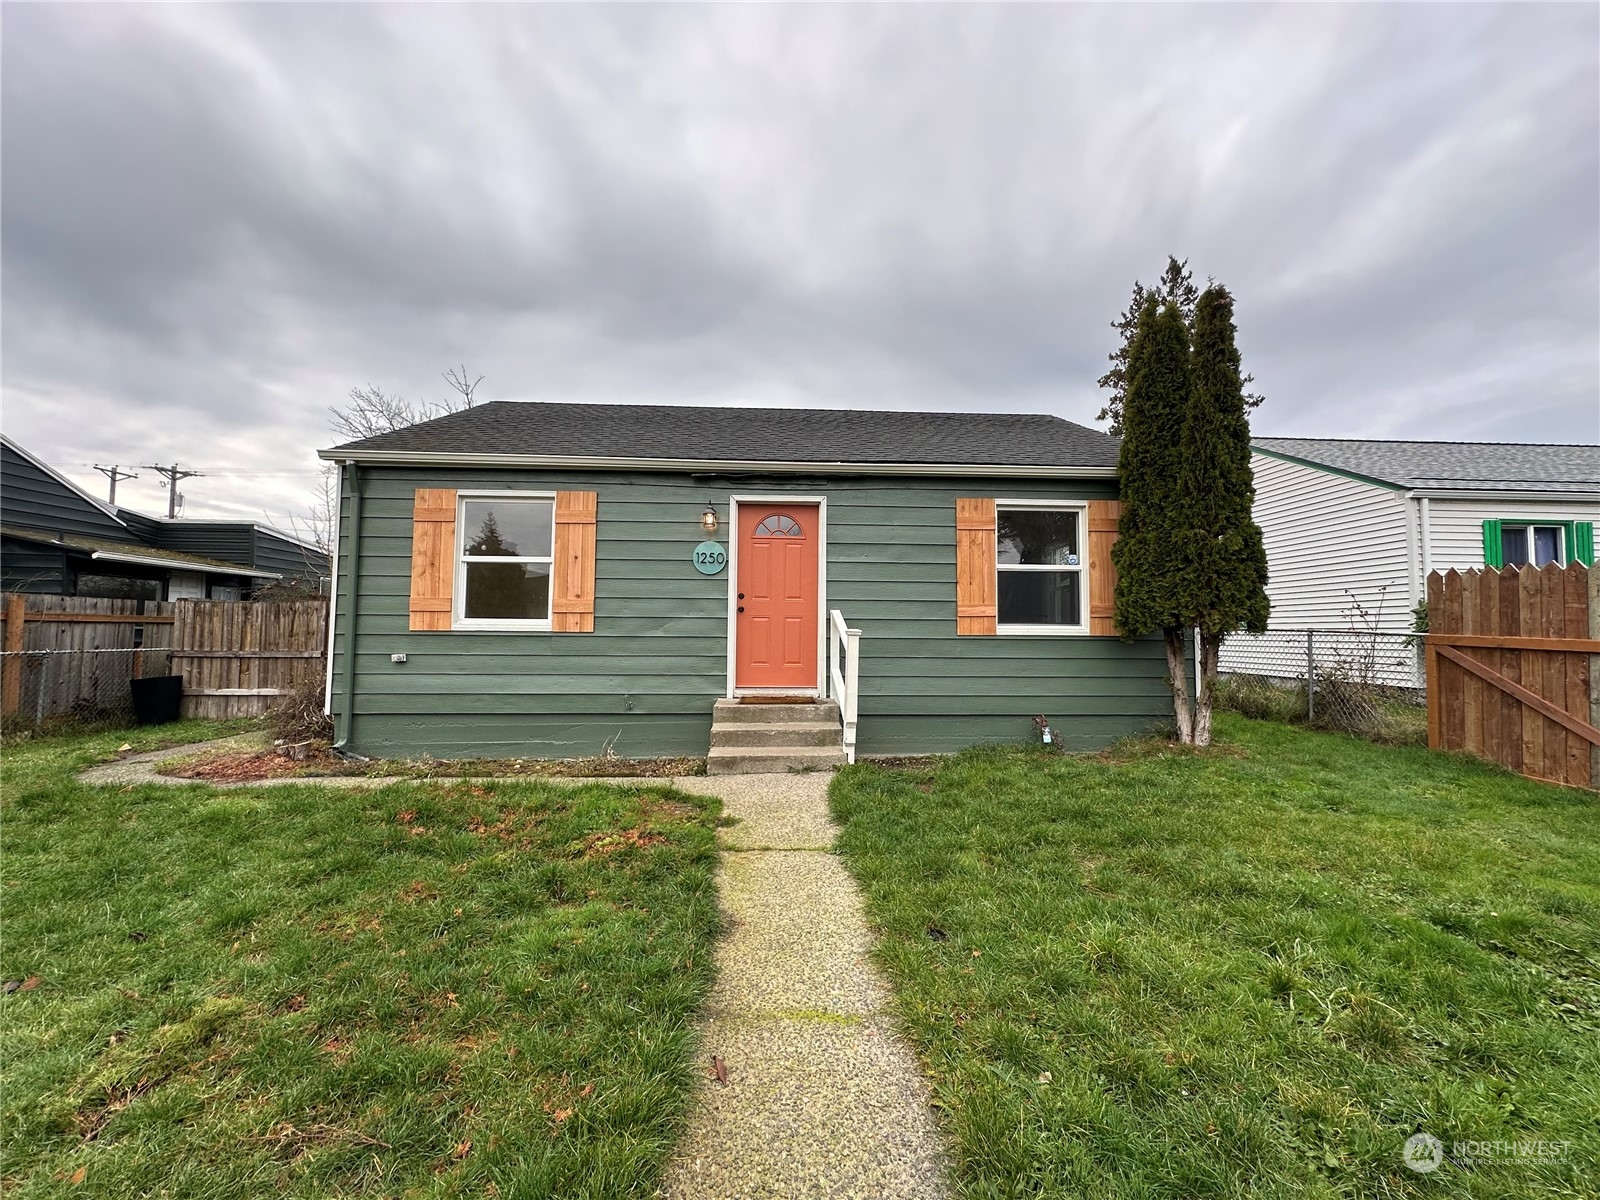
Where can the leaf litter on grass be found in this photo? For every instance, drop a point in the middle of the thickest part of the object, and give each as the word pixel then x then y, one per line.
pixel 362 983
pixel 1264 992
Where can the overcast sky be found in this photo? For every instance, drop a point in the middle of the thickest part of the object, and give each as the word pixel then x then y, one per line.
pixel 218 219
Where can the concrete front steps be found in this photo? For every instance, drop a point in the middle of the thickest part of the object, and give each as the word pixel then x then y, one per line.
pixel 753 739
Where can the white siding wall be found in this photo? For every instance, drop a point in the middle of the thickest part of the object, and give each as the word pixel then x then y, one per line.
pixel 1330 539
pixel 1455 527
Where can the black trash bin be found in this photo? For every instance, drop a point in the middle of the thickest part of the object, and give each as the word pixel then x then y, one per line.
pixel 158 699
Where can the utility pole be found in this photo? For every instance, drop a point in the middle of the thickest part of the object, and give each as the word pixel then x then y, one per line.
pixel 114 473
pixel 171 475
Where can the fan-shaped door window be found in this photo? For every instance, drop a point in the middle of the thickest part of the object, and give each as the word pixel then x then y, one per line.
pixel 779 525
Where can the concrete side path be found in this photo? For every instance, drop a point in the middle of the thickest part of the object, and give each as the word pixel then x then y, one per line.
pixel 823 1098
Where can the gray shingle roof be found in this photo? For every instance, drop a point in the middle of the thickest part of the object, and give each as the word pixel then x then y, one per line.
pixel 790 435
pixel 1468 466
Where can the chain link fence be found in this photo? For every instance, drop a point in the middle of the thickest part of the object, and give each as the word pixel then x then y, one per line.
pixel 78 688
pixel 1350 681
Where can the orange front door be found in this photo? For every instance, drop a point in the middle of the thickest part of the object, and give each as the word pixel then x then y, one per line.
pixel 775 634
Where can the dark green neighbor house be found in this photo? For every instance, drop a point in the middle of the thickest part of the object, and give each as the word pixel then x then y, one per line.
pixel 786 587
pixel 57 540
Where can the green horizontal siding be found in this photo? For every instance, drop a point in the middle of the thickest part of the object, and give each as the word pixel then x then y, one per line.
pixel 289 559
pixel 35 499
pixel 30 567
pixel 644 682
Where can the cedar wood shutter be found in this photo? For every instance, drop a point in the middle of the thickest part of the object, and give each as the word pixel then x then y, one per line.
pixel 433 557
pixel 572 574
pixel 977 608
pixel 1103 518
pixel 433 560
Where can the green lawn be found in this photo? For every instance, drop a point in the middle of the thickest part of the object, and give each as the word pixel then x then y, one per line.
pixel 1254 971
pixel 424 990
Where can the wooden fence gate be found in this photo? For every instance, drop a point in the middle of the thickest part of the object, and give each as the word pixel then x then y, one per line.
pixel 1513 662
pixel 237 657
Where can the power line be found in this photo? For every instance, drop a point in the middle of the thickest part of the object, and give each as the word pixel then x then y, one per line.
pixel 114 473
pixel 241 470
pixel 172 475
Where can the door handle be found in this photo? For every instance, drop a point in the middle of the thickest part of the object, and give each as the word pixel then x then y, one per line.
pixel 741 608
pixel 741 595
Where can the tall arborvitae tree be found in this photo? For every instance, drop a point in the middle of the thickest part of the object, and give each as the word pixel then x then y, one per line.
pixel 1176 286
pixel 1149 564
pixel 1224 562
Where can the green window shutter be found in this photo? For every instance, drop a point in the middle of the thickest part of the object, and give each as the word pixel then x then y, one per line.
pixel 1493 551
pixel 1582 548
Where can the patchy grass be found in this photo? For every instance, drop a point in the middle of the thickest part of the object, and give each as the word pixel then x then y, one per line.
pixel 424 989
pixel 87 747
pixel 1251 971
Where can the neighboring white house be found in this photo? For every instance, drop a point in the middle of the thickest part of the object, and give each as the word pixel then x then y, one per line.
pixel 1353 528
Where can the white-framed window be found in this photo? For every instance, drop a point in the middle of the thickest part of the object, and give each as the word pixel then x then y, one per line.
pixel 503 559
pixel 1040 556
pixel 1541 545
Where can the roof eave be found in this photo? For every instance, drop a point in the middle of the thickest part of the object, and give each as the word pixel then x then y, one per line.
pixel 177 564
pixel 191 522
pixel 1329 468
pixel 410 458
pixel 1500 491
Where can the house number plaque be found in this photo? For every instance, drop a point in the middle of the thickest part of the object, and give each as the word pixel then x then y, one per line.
pixel 710 558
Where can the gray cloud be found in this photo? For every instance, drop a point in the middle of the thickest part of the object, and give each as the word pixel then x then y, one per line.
pixel 218 219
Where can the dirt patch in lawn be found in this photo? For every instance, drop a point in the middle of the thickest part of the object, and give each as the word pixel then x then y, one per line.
pixel 605 843
pixel 249 766
pixel 906 762
pixel 572 768
pixel 237 766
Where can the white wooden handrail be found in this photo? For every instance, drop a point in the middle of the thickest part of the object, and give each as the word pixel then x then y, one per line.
pixel 844 675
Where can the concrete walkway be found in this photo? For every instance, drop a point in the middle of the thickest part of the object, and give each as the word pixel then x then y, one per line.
pixel 823 1098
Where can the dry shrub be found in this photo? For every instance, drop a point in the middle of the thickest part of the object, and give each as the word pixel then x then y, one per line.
pixel 298 715
pixel 1260 698
pixel 1344 704
pixel 1348 704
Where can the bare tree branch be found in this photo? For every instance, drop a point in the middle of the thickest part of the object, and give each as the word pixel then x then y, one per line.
pixel 458 380
pixel 315 525
pixel 372 411
pixel 314 529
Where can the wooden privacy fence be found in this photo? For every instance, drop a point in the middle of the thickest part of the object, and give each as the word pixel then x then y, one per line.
pixel 1513 663
pixel 237 657
pixel 71 658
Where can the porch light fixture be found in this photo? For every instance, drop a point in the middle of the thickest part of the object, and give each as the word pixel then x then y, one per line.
pixel 708 519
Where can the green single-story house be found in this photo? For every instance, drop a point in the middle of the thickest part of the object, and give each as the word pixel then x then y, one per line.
pixel 784 587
